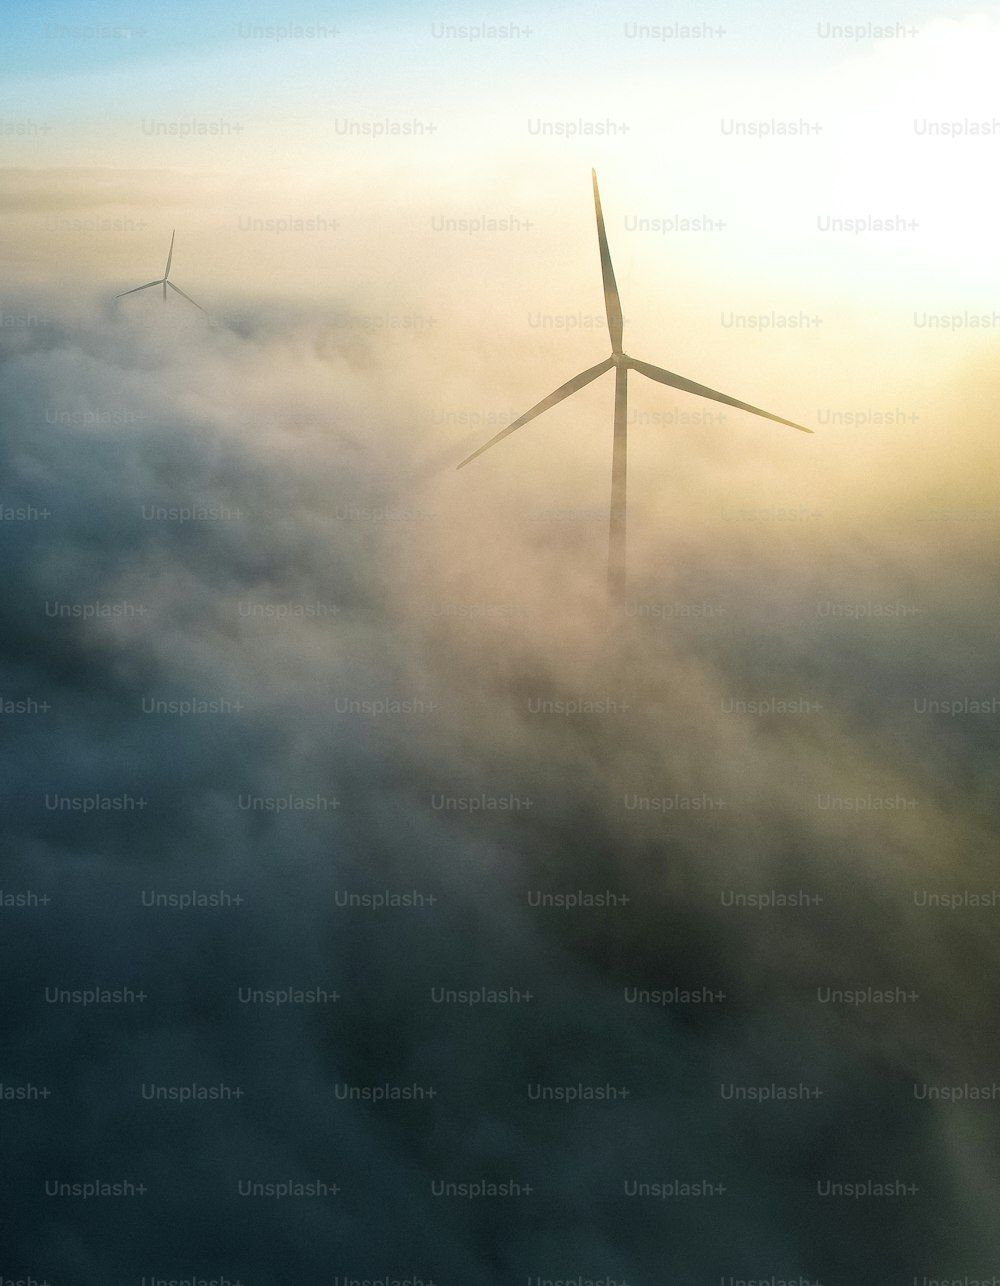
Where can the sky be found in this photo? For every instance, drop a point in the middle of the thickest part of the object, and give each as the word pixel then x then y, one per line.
pixel 378 902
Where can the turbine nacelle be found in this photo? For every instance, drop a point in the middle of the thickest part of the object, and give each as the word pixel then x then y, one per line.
pixel 621 363
pixel 163 281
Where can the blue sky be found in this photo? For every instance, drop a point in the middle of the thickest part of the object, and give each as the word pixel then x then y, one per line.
pixel 62 38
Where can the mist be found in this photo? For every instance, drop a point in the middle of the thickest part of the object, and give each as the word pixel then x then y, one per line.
pixel 735 839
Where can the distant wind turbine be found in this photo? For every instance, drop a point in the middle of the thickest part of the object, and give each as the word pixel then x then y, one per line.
pixel 622 363
pixel 163 281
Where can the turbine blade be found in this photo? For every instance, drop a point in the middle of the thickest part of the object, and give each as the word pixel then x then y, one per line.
pixel 170 255
pixel 187 297
pixel 612 304
pixel 689 386
pixel 137 288
pixel 563 391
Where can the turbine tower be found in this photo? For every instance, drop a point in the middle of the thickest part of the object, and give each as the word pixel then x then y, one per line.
pixel 622 364
pixel 163 281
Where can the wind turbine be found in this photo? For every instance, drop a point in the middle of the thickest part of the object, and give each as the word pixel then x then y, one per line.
pixel 622 364
pixel 163 281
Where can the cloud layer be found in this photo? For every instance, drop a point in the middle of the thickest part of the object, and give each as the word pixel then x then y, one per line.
pixel 258 603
